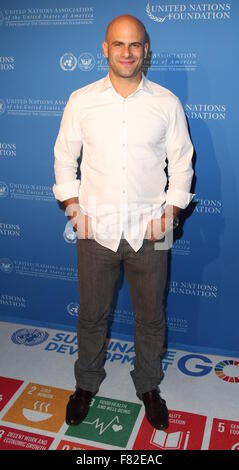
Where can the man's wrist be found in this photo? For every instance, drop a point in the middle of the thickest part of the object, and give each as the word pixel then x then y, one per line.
pixel 172 214
pixel 175 222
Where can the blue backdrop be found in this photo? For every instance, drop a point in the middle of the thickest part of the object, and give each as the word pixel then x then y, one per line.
pixel 50 48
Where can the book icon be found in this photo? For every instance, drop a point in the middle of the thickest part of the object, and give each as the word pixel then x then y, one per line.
pixel 172 440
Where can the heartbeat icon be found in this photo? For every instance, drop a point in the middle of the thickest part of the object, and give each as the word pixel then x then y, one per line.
pixel 116 426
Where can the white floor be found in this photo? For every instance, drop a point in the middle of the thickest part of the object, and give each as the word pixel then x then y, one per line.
pixel 37 378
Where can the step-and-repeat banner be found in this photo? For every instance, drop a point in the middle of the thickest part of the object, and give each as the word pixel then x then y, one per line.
pixel 49 49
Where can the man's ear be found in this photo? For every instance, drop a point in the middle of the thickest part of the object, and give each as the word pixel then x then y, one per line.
pixel 146 49
pixel 105 48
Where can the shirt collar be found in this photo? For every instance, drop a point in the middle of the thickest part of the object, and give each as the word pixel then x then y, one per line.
pixel 144 85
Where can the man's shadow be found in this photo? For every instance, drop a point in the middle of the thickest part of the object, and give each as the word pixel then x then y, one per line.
pixel 204 231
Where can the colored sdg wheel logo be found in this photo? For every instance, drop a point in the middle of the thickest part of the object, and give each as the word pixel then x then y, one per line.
pixel 29 336
pixel 228 371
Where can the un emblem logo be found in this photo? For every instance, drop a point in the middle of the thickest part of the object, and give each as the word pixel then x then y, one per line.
pixel 1 18
pixel 2 106
pixel 29 336
pixel 3 189
pixel 69 235
pixel 6 265
pixel 68 62
pixel 73 309
pixel 86 62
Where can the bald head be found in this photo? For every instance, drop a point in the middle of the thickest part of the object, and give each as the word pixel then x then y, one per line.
pixel 125 21
pixel 125 47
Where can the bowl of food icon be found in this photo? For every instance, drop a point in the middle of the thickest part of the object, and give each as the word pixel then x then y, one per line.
pixel 35 416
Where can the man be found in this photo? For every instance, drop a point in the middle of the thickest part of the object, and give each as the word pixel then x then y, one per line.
pixel 128 127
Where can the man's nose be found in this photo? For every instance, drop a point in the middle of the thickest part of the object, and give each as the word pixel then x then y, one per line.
pixel 126 51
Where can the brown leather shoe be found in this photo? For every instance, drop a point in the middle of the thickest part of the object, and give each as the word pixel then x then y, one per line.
pixel 78 407
pixel 156 410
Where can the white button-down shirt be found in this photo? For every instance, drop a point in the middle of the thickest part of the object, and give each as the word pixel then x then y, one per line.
pixel 127 145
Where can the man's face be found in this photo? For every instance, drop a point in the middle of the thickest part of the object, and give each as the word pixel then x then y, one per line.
pixel 125 48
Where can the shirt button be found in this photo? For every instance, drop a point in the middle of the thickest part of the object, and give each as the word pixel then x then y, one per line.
pixel 123 191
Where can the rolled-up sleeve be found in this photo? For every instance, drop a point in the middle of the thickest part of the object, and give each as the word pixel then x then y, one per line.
pixel 179 155
pixel 67 151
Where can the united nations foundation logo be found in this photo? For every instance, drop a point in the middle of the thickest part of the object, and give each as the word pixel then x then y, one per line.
pixel 68 62
pixel 196 289
pixel 6 265
pixel 29 336
pixel 206 112
pixel 158 19
pixel 86 62
pixel 2 106
pixel 159 12
pixel 73 309
pixel 209 206
pixel 3 189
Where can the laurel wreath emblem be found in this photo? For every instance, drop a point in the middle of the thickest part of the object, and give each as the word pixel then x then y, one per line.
pixel 29 336
pixel 152 17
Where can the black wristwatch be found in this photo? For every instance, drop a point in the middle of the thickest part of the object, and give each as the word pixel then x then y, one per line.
pixel 175 222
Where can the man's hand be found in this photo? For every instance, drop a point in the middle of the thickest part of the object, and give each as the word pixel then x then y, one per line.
pixel 158 228
pixel 81 223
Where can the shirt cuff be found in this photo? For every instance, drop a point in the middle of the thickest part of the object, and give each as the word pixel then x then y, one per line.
pixel 67 190
pixel 178 198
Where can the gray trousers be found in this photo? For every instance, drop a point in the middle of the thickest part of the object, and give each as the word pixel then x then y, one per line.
pixel 146 273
